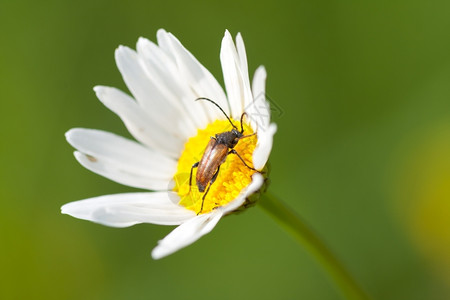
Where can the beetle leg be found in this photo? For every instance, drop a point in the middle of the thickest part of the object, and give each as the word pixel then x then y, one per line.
pixel 209 186
pixel 232 151
pixel 245 136
pixel 215 175
pixel 190 177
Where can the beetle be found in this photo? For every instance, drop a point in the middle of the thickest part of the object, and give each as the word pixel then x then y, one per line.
pixel 215 154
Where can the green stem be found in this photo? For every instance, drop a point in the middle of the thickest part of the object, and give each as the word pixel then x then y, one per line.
pixel 302 233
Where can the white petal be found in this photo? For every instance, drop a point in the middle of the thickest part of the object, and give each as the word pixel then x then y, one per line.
pixel 120 174
pixel 243 66
pixel 166 76
pixel 233 84
pixel 242 55
pixel 186 234
pixel 164 43
pixel 237 86
pixel 259 112
pixel 123 210
pixel 108 145
pixel 255 185
pixel 138 123
pixel 264 146
pixel 153 99
pixel 121 160
pixel 200 80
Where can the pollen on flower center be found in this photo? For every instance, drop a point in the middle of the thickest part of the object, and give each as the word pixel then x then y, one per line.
pixel 233 176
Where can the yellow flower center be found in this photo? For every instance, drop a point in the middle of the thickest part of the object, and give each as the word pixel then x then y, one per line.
pixel 233 176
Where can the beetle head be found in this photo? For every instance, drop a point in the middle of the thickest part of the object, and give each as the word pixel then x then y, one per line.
pixel 236 136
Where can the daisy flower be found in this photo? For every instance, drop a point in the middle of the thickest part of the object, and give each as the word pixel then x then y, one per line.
pixel 172 131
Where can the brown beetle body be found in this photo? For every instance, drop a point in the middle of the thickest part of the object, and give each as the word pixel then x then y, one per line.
pixel 215 155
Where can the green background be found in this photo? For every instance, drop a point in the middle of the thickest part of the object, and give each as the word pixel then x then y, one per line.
pixel 362 150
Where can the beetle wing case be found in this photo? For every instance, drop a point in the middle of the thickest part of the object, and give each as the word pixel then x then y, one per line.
pixel 212 158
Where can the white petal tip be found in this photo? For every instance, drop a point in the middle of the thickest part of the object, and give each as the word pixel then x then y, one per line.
pixel 118 49
pixel 262 70
pixel 71 210
pixel 78 155
pixel 121 51
pixel 159 253
pixel 102 91
pixel 63 210
pixel 74 134
pixel 68 209
pixel 99 89
pixel 69 135
pixel 142 43
pixel 273 128
pixel 161 31
pixel 227 36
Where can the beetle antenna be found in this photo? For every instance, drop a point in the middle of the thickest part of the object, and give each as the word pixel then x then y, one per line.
pixel 207 99
pixel 242 119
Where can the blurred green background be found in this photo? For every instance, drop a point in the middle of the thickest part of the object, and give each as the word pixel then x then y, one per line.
pixel 362 150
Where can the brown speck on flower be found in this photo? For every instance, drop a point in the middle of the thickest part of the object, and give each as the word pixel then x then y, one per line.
pixel 91 158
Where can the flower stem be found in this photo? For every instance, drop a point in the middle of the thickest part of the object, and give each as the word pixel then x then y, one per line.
pixel 307 237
